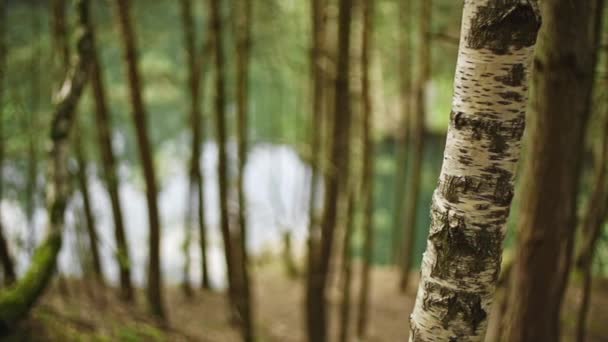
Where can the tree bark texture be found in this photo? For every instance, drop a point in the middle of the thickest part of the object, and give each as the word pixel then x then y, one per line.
pixel 561 104
pixel 471 202
pixel 154 286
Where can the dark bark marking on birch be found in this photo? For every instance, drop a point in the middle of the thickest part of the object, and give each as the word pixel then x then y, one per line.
pixel 481 124
pixel 502 25
pixel 454 303
pixel 514 77
pixel 459 254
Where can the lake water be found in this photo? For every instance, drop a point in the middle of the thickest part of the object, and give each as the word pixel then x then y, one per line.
pixel 277 185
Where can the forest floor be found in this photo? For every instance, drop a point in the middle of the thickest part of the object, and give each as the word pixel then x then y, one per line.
pixel 74 310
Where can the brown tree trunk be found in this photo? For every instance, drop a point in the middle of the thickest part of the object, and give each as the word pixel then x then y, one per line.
pixel 335 185
pixel 154 286
pixel 404 130
pixel 243 19
pixel 197 66
pixel 411 210
pixel 17 301
pixel 316 131
pixel 88 210
pixel 562 82
pixel 8 266
pixel 110 174
pixel 222 171
pixel 347 267
pixel 367 195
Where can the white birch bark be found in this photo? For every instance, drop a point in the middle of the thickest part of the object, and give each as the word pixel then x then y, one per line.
pixel 473 196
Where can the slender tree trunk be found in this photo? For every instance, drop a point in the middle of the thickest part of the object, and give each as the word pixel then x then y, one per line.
pixel 597 209
pixel 202 229
pixel 368 168
pixel 110 174
pixel 424 76
pixel 563 81
pixel 243 51
pixel 345 306
pixel 88 210
pixel 62 50
pixel 8 266
pixel 334 185
pixel 154 286
pixel 195 124
pixel 471 203
pixel 316 138
pixel 220 122
pixel 16 301
pixel 404 130
pixel 31 188
pixel 591 229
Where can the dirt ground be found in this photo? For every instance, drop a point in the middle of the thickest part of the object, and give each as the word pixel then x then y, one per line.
pixel 77 311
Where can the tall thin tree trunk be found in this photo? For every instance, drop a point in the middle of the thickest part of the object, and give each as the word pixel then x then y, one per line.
pixel 62 51
pixel 316 138
pixel 418 130
pixel 195 124
pixel 154 286
pixel 88 210
pixel 471 203
pixel 243 51
pixel 16 301
pixel 597 208
pixel 8 267
pixel 335 185
pixel 367 195
pixel 31 187
pixel 563 81
pixel 222 170
pixel 405 96
pixel 110 174
pixel 345 306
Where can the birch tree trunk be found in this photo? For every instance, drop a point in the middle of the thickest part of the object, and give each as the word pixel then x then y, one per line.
pixel 418 136
pixel 563 81
pixel 110 174
pixel 472 200
pixel 154 286
pixel 5 256
pixel 16 301
pixel 368 168
pixel 62 51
